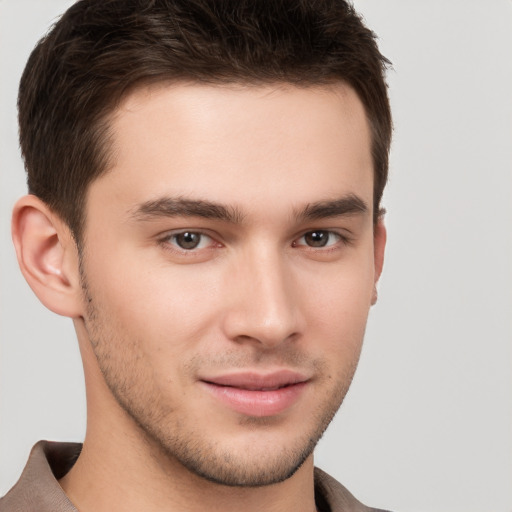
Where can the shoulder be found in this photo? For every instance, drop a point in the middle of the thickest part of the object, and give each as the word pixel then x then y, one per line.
pixel 38 489
pixel 331 496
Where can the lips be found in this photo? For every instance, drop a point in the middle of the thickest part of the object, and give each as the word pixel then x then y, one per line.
pixel 255 394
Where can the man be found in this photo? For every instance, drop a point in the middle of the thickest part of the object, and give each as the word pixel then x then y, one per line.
pixel 205 182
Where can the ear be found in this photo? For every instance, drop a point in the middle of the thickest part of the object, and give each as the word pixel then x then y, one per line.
pixel 47 256
pixel 379 246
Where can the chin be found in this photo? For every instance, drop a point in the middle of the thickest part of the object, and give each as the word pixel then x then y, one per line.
pixel 262 452
pixel 260 466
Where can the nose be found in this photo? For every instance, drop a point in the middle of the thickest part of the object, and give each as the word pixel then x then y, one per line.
pixel 263 305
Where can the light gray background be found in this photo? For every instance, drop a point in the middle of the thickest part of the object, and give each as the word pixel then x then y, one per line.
pixel 427 425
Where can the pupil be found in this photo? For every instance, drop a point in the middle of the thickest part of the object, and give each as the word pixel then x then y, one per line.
pixel 316 238
pixel 188 240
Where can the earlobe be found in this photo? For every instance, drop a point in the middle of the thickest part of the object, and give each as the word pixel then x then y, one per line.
pixel 47 256
pixel 379 244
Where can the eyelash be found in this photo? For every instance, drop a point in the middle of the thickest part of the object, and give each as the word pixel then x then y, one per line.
pixel 168 242
pixel 342 239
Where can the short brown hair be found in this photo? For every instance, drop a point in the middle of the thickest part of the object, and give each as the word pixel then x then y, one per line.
pixel 101 49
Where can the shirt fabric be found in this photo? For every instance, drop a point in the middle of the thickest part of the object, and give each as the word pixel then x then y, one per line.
pixel 38 489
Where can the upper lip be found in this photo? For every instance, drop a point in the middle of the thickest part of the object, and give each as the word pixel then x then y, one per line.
pixel 255 381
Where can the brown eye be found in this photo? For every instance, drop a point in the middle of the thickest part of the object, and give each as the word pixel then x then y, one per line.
pixel 188 240
pixel 317 238
pixel 189 246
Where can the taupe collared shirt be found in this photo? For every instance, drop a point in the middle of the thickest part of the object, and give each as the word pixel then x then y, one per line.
pixel 38 489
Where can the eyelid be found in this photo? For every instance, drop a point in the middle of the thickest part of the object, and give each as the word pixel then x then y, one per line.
pixel 342 236
pixel 165 240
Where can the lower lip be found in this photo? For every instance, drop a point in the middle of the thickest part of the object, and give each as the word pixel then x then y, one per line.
pixel 257 403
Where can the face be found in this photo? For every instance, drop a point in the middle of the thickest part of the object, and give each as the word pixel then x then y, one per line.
pixel 228 268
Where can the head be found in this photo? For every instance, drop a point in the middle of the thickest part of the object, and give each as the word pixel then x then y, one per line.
pixel 210 176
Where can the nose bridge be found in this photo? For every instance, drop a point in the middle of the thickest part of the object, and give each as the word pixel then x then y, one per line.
pixel 265 307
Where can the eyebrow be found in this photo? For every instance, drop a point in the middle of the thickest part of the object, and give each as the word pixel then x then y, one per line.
pixel 344 206
pixel 182 207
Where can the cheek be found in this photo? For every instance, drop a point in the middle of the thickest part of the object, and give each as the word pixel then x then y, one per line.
pixel 166 307
pixel 342 291
pixel 338 304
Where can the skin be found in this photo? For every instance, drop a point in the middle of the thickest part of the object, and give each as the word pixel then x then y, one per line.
pixel 259 293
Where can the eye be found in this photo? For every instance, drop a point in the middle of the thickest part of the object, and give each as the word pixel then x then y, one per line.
pixel 319 238
pixel 189 240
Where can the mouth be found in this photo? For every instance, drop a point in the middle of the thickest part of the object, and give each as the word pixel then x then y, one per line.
pixel 257 395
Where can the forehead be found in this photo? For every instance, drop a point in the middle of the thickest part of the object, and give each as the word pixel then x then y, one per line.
pixel 240 144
